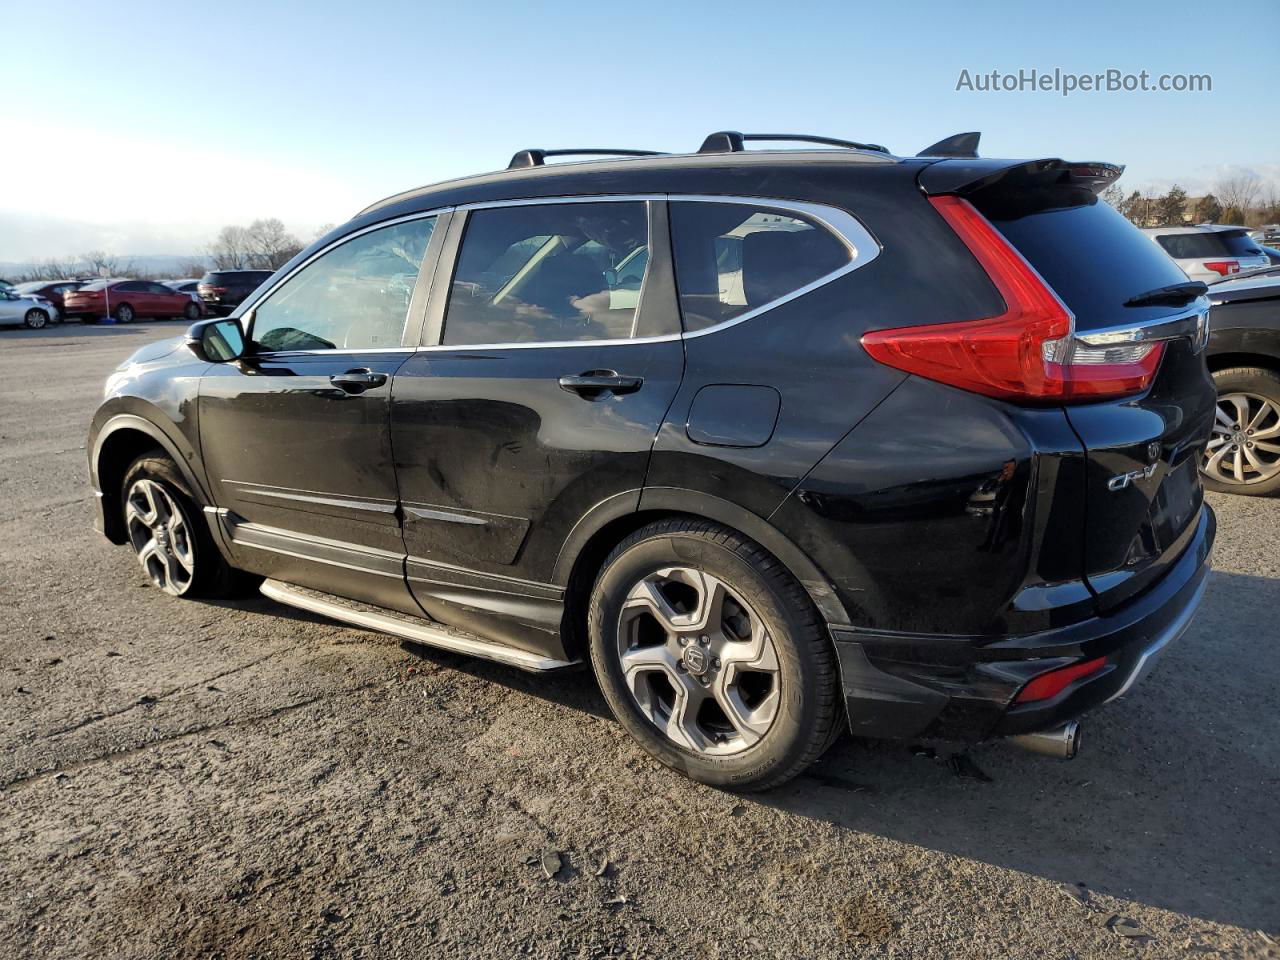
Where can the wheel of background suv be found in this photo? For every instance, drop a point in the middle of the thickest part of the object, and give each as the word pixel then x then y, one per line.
pixel 35 318
pixel 125 314
pixel 191 311
pixel 167 532
pixel 1243 455
pixel 712 656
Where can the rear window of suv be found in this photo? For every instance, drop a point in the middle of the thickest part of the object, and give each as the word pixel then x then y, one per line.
pixel 236 276
pixel 732 258
pixel 1204 246
pixel 1092 257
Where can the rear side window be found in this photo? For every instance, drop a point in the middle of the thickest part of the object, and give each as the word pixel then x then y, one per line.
pixel 1205 246
pixel 733 257
pixel 1092 257
pixel 549 273
pixel 355 297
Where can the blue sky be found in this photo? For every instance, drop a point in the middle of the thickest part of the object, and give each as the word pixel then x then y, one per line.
pixel 149 125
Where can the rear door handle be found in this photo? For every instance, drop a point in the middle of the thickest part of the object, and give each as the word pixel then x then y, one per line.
pixel 358 380
pixel 595 383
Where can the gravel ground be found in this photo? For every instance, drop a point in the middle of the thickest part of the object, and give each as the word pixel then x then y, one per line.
pixel 197 779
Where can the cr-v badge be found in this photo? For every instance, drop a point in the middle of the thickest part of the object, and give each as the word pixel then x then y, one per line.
pixel 1133 476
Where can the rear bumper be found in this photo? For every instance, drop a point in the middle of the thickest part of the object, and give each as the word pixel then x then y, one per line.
pixel 910 685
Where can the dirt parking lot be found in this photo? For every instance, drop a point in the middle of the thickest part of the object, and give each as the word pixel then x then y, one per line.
pixel 195 779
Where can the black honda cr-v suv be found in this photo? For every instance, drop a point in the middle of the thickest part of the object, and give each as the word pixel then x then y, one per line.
pixel 781 441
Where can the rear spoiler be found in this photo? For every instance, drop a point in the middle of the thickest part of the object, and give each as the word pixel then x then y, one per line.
pixel 960 176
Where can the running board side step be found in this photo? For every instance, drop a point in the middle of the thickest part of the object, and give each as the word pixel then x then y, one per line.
pixel 429 634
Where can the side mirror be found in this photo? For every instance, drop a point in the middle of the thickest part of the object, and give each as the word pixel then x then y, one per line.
pixel 216 341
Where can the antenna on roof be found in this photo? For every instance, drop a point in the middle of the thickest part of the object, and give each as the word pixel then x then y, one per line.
pixel 731 141
pixel 536 157
pixel 959 145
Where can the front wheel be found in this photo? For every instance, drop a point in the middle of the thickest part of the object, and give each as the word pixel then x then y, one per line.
pixel 1243 455
pixel 712 656
pixel 167 533
pixel 35 319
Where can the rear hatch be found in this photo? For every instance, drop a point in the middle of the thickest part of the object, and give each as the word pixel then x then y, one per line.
pixel 1143 491
pixel 1224 252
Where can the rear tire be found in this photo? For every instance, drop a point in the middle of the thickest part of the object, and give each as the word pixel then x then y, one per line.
pixel 35 319
pixel 191 311
pixel 1243 455
pixel 125 314
pixel 168 533
pixel 712 656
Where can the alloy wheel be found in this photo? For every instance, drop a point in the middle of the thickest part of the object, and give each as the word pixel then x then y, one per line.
pixel 1245 446
pixel 160 536
pixel 35 319
pixel 125 314
pixel 698 661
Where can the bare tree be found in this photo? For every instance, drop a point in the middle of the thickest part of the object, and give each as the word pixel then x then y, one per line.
pixel 232 249
pixel 51 269
pixel 271 244
pixel 1269 205
pixel 1239 191
pixel 102 264
pixel 192 267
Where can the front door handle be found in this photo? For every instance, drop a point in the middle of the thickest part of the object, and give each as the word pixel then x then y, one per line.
pixel 358 380
pixel 595 383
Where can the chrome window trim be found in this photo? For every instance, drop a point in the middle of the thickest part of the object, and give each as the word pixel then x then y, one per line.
pixel 1192 323
pixel 862 247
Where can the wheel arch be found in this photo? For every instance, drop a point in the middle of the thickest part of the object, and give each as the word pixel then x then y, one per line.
pixel 616 518
pixel 1226 361
pixel 120 441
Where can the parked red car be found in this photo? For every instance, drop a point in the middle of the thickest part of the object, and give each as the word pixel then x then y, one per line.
pixel 128 300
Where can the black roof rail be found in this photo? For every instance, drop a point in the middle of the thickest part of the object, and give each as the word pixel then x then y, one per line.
pixel 959 145
pixel 731 141
pixel 537 158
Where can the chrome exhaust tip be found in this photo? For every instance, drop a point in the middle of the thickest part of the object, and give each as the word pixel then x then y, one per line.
pixel 1063 743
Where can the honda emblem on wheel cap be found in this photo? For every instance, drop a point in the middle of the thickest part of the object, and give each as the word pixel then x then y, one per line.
pixel 695 659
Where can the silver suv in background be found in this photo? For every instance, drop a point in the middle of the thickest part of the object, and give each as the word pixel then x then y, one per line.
pixel 1209 251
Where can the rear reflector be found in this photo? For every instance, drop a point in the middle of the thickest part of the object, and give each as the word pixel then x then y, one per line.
pixel 1049 685
pixel 1223 267
pixel 1028 354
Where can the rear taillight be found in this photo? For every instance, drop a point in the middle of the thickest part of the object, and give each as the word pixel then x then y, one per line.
pixel 1223 268
pixel 1049 685
pixel 1028 354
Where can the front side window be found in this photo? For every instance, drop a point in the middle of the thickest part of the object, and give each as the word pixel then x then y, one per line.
pixel 735 257
pixel 355 297
pixel 549 273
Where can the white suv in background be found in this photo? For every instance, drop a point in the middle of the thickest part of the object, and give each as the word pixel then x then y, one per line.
pixel 1209 251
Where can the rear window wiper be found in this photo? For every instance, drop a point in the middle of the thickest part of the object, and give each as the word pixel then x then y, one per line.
pixel 1174 294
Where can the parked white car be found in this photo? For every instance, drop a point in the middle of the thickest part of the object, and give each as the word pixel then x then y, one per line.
pixel 1209 251
pixel 33 312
